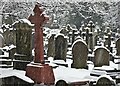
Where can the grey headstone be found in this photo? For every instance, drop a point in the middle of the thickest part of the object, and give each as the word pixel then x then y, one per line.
pixel 10 36
pixel 80 54
pixel 105 81
pixel 118 47
pixel 23 44
pixel 101 57
pixel 51 46
pixel 64 31
pixel 1 41
pixel 60 47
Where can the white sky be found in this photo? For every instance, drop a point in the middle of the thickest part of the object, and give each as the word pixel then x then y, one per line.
pixel 61 0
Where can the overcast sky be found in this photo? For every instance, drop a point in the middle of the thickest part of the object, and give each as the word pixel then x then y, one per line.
pixel 61 0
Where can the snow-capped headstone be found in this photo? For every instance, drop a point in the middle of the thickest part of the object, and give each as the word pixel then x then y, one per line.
pixel 64 31
pixel 80 54
pixel 105 80
pixel 118 47
pixel 9 35
pixel 74 34
pixel 23 44
pixel 12 51
pixel 91 41
pixel 101 56
pixel 78 37
pixel 60 47
pixel 1 41
pixel 51 46
pixel 107 42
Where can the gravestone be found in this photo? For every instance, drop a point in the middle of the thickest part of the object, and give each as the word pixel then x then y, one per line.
pixel 101 56
pixel 1 41
pixel 80 54
pixel 91 44
pixel 10 36
pixel 105 80
pixel 51 46
pixel 78 37
pixel 39 71
pixel 64 31
pixel 60 47
pixel 107 42
pixel 12 52
pixel 88 38
pixel 118 47
pixel 23 44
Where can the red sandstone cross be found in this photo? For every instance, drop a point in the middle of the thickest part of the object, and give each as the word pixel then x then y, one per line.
pixel 38 19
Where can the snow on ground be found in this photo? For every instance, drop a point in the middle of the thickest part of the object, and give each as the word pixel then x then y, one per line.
pixel 7 72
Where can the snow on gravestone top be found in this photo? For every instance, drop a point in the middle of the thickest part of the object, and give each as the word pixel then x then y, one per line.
pixel 60 47
pixel 1 41
pixel 105 80
pixel 23 21
pixel 101 56
pixel 80 54
pixel 118 47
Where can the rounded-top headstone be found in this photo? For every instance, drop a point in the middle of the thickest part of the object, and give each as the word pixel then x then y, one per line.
pixel 105 80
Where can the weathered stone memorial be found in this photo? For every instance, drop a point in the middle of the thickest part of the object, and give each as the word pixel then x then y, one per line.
pixel 87 36
pixel 60 47
pixel 10 36
pixel 80 54
pixel 118 47
pixel 23 54
pixel 51 46
pixel 1 41
pixel 107 42
pixel 91 39
pixel 105 81
pixel 101 57
pixel 39 71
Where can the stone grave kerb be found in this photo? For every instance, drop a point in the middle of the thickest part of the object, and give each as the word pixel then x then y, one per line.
pixel 39 71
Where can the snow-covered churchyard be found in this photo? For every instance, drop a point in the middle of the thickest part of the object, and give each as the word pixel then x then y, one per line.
pixel 81 43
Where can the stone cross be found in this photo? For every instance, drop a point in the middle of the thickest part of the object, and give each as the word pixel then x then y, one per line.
pixel 40 72
pixel 38 19
pixel 91 26
pixel 88 38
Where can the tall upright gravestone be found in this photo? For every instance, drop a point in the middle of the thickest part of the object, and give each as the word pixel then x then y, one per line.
pixel 60 47
pixel 118 47
pixel 51 46
pixel 101 57
pixel 80 53
pixel 23 44
pixel 1 41
pixel 40 72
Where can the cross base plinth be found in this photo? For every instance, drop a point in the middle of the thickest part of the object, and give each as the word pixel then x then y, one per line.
pixel 41 73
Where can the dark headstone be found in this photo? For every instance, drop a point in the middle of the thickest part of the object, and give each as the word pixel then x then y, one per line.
pixel 51 46
pixel 23 44
pixel 1 41
pixel 105 81
pixel 118 47
pixel 60 47
pixel 80 53
pixel 101 57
